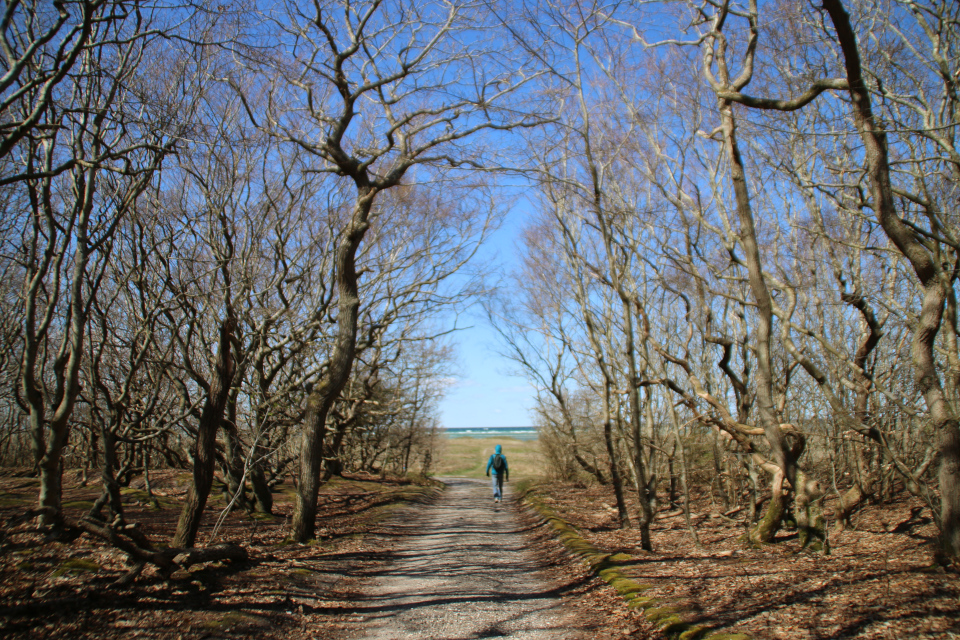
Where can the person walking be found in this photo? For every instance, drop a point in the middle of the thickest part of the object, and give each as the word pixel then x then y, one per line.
pixel 501 472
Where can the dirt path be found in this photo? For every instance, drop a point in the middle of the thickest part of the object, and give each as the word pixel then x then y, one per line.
pixel 463 569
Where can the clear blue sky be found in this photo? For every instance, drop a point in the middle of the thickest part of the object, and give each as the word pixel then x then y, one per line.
pixel 486 394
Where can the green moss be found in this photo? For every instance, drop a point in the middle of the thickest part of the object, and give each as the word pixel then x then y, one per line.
pixel 153 502
pixel 83 505
pixel 228 620
pixel 609 568
pixel 693 632
pixel 661 614
pixel 672 625
pixel 771 521
pixel 287 490
pixel 11 500
pixel 626 587
pixel 815 546
pixel 642 602
pixel 264 517
pixel 523 487
pixel 76 566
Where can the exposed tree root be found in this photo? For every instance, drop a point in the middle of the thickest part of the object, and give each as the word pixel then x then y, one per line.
pixel 131 541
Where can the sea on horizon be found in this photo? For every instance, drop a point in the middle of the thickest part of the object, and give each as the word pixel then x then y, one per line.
pixel 517 433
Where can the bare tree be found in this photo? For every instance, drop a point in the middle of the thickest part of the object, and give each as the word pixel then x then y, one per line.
pixel 931 275
pixel 112 146
pixel 43 44
pixel 366 91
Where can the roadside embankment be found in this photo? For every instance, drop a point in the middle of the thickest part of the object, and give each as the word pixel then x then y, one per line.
pixel 614 568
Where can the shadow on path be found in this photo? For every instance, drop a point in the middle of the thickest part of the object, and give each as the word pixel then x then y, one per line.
pixel 462 570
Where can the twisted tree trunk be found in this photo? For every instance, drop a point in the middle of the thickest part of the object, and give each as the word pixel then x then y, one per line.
pixel 205 450
pixel 323 396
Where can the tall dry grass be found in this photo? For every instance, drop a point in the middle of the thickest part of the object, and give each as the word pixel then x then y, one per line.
pixel 467 457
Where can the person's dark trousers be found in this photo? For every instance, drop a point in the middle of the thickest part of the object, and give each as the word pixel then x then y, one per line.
pixel 497 482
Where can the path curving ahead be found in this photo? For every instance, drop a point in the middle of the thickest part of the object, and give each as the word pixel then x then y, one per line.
pixel 463 570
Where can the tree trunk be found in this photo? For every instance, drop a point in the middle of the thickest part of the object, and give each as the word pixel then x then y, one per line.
pixel 862 490
pixel 684 478
pixel 754 479
pixel 615 477
pixel 644 484
pixel 51 476
pixel 672 495
pixel 718 471
pixel 66 371
pixel 332 465
pixel 205 449
pixel 811 525
pixel 766 407
pixel 234 463
pixel 262 497
pixel 593 470
pixel 323 396
pixel 110 489
pixel 772 518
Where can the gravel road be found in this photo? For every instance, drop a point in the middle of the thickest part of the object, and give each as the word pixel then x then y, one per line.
pixel 462 569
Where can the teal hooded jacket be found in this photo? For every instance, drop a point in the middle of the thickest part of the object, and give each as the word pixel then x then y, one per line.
pixel 498 451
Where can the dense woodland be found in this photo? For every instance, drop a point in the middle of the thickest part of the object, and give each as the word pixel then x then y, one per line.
pixel 236 241
pixel 744 257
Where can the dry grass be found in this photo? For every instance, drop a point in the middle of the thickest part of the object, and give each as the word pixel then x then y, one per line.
pixel 467 457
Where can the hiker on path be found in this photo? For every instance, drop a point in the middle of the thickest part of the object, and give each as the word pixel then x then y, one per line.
pixel 501 472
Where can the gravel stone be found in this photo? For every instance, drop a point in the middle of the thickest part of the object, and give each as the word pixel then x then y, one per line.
pixel 463 571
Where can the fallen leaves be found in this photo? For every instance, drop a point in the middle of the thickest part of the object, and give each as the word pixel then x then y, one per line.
pixel 879 582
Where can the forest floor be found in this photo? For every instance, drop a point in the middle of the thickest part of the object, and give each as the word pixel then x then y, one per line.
pixel 879 581
pixel 285 591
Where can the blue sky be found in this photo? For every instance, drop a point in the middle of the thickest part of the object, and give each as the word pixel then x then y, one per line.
pixel 486 393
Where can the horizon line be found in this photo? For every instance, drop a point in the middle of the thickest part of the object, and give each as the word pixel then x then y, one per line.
pixel 514 427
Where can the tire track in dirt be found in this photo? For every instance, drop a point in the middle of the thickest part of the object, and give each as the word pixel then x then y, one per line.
pixel 462 570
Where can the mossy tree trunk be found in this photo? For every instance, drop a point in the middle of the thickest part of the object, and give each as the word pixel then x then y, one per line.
pixel 262 496
pixel 234 461
pixel 769 524
pixel 811 525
